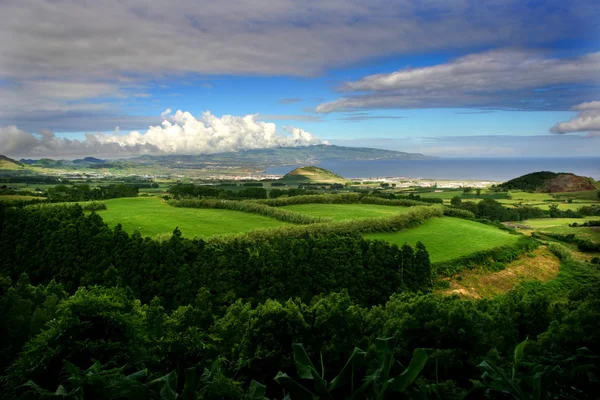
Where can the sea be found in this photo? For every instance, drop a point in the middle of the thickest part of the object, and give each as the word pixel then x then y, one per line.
pixel 477 169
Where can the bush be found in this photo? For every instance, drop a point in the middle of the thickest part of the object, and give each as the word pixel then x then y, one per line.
pixel 560 251
pixel 94 206
pixel 497 266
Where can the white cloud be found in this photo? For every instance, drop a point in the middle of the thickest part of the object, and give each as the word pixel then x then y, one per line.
pixel 181 134
pixel 591 105
pixel 588 119
pixel 493 79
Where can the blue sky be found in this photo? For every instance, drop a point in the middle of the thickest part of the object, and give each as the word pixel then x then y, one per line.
pixel 456 77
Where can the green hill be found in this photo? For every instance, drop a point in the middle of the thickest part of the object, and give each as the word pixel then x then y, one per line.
pixel 550 182
pixel 9 163
pixel 312 175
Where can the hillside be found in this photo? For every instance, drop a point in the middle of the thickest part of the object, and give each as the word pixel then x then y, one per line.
pixel 9 163
pixel 313 175
pixel 279 156
pixel 550 182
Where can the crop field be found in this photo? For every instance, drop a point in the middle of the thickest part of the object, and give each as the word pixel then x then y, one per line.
pixel 561 226
pixel 340 212
pixel 448 238
pixel 151 217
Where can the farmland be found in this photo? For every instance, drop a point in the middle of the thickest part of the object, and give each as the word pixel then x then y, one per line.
pixel 561 226
pixel 151 216
pixel 448 238
pixel 346 211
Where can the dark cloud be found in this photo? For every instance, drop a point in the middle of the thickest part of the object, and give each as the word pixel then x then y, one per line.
pixel 73 57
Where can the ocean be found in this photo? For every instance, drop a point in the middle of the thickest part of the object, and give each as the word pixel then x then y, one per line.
pixel 479 169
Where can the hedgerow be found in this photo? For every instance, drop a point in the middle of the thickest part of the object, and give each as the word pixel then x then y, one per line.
pixel 250 207
pixel 396 222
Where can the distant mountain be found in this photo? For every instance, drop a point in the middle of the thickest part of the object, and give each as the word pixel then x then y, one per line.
pixel 550 182
pixel 9 163
pixel 44 162
pixel 279 156
pixel 312 175
pixel 89 160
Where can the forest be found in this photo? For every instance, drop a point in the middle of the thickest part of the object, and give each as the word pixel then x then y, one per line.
pixel 91 311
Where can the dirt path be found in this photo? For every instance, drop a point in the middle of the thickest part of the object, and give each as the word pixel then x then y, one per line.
pixel 539 265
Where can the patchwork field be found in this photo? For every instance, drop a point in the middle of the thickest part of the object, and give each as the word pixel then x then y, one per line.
pixel 561 226
pixel 151 217
pixel 340 212
pixel 448 238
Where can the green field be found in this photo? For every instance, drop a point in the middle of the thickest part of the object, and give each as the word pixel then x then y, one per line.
pixel 340 212
pixel 561 226
pixel 448 238
pixel 151 217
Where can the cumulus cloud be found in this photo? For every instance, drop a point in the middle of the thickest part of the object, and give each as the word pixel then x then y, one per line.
pixel 181 133
pixel 588 119
pixel 507 79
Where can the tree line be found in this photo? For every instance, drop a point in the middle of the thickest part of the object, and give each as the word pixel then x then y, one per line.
pixel 85 192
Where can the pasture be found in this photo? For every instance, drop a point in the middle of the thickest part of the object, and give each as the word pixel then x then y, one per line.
pixel 151 216
pixel 339 212
pixel 448 238
pixel 561 226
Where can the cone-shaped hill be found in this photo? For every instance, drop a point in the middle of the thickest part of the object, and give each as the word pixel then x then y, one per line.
pixel 312 175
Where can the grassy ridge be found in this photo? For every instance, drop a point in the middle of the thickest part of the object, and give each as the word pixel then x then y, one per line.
pixel 450 238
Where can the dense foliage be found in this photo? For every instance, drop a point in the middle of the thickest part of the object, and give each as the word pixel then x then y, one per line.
pixel 84 192
pixel 189 190
pixel 92 312
pixel 529 182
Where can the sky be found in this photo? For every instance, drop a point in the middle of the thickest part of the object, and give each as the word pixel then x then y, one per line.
pixel 460 78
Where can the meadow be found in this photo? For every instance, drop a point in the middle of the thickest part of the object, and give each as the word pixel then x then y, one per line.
pixel 340 212
pixel 449 238
pixel 151 216
pixel 561 226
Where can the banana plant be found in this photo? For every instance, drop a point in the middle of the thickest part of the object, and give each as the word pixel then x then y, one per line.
pixel 98 383
pixel 376 385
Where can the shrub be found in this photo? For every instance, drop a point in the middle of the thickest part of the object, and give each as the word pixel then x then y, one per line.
pixel 94 206
pixel 560 251
pixel 497 266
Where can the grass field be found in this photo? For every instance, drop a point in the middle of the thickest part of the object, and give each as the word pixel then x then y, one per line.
pixel 448 238
pixel 539 265
pixel 152 217
pixel 561 226
pixel 340 212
